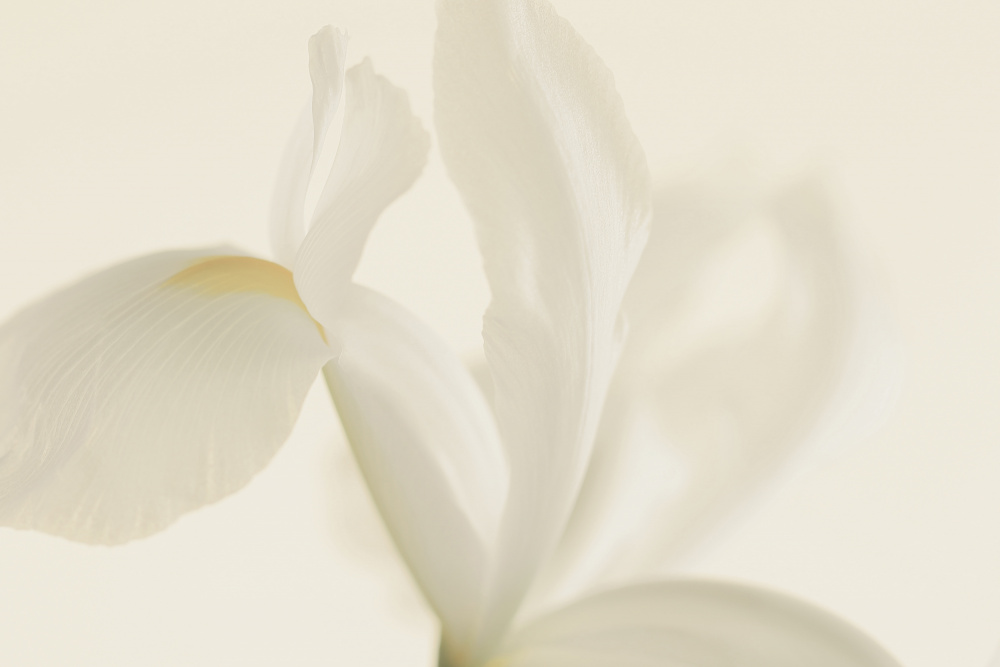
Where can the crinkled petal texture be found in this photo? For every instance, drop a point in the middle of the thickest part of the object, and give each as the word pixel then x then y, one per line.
pixel 427 444
pixel 699 416
pixel 148 390
pixel 382 149
pixel 691 624
pixel 535 137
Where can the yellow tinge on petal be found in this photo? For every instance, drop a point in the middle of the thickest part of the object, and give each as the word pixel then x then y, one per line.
pixel 228 274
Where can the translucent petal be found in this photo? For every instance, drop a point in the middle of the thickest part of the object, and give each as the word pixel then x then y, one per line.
pixel 428 446
pixel 382 150
pixel 326 69
pixel 691 624
pixel 148 390
pixel 534 135
pixel 695 424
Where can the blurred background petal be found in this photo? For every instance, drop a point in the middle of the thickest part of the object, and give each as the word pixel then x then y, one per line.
pixel 692 623
pixel 748 313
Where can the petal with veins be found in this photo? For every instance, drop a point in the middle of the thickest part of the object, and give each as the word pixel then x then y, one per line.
pixel 382 150
pixel 690 623
pixel 149 390
pixel 534 135
pixel 427 444
pixel 326 69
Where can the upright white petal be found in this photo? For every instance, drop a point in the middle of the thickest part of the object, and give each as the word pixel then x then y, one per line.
pixel 382 150
pixel 428 446
pixel 326 69
pixel 148 390
pixel 534 135
pixel 691 624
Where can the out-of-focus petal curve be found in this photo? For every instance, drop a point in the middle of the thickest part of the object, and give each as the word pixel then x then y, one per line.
pixel 148 390
pixel 428 446
pixel 287 219
pixel 382 150
pixel 535 137
pixel 684 443
pixel 691 623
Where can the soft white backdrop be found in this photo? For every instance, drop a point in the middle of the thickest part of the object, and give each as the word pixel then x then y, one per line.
pixel 130 127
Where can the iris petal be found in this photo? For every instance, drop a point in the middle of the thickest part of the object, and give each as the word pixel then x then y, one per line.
pixel 148 390
pixel 428 446
pixel 534 135
pixel 690 623
pixel 382 150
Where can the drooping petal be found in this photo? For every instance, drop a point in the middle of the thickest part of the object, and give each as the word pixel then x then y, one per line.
pixel 696 424
pixel 534 135
pixel 690 623
pixel 148 390
pixel 428 446
pixel 382 150
pixel 326 69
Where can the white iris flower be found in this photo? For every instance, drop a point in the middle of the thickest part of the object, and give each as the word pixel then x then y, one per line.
pixel 165 383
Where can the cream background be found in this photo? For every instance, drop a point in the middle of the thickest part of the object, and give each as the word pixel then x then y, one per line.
pixel 130 127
